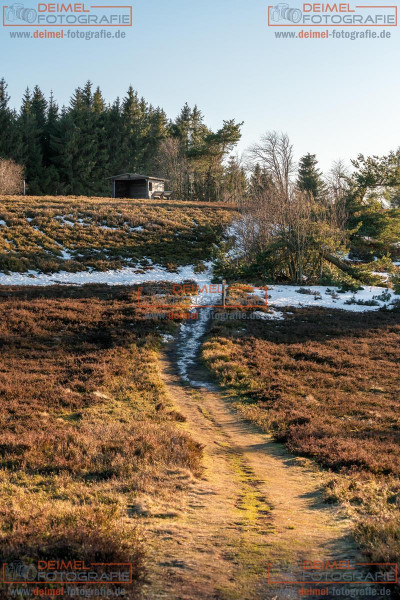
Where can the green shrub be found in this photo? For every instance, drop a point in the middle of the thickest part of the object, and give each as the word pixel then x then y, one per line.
pixel 348 284
pixel 354 300
pixel 309 292
pixel 384 297
pixel 395 281
pixel 383 265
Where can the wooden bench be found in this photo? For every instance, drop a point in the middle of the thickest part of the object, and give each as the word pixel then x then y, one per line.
pixel 161 195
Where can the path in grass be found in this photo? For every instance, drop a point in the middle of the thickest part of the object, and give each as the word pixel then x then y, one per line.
pixel 255 504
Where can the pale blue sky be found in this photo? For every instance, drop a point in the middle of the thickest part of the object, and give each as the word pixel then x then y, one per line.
pixel 335 98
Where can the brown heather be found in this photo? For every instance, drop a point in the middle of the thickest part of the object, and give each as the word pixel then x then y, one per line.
pixel 326 383
pixel 85 425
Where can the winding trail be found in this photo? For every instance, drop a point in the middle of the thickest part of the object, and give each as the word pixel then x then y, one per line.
pixel 255 504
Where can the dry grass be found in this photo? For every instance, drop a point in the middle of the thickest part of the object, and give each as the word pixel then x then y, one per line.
pixel 85 426
pixel 327 384
pixel 49 234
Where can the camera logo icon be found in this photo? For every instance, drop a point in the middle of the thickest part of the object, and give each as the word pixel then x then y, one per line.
pixel 21 571
pixel 283 12
pixel 18 12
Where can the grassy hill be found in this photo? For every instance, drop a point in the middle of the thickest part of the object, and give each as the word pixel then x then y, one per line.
pixel 48 234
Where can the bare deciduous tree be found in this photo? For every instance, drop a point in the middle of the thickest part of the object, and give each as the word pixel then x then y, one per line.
pixel 337 182
pixel 11 177
pixel 296 231
pixel 275 155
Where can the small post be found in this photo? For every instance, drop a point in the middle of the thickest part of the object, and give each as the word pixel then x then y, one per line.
pixel 224 293
pixel 24 187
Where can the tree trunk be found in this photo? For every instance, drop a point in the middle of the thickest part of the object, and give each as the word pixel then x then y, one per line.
pixel 339 263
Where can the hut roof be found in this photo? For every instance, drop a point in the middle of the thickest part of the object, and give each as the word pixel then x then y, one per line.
pixel 133 176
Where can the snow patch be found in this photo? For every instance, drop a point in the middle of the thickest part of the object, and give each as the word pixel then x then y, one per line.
pixel 64 221
pixel 167 337
pixel 190 336
pixel 66 254
pixel 235 233
pixel 322 296
pixel 272 315
pixel 192 332
pixel 124 276
pixel 107 228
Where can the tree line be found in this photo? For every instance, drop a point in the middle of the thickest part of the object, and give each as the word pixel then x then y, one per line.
pixel 73 149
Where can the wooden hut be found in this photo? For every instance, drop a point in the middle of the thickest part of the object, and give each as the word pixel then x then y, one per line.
pixel 132 185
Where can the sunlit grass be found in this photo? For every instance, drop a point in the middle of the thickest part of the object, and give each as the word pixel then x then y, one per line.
pixel 49 234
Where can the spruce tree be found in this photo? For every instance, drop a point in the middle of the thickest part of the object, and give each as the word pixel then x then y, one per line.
pixel 259 182
pixel 30 121
pixel 116 144
pixel 235 181
pixel 310 177
pixel 39 109
pixel 99 124
pixel 134 114
pixel 155 133
pixel 10 138
pixel 198 131
pixel 52 185
pixel 50 129
pixel 65 145
pixel 82 144
pixel 182 126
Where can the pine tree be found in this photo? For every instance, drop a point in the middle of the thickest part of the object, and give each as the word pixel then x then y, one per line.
pixel 374 226
pixel 52 184
pixel 30 121
pixel 310 177
pixel 182 126
pixel 260 181
pixel 235 181
pixel 114 129
pixel 156 132
pixel 80 138
pixel 98 102
pixel 198 131
pixel 10 139
pixel 134 115
pixel 99 124
pixel 64 144
pixel 4 97
pixel 87 95
pixel 39 109
pixel 50 129
pixel 209 158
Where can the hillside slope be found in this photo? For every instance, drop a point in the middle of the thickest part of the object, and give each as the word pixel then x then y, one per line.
pixel 51 234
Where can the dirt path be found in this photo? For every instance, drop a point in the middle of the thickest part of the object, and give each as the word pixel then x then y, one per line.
pixel 255 504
